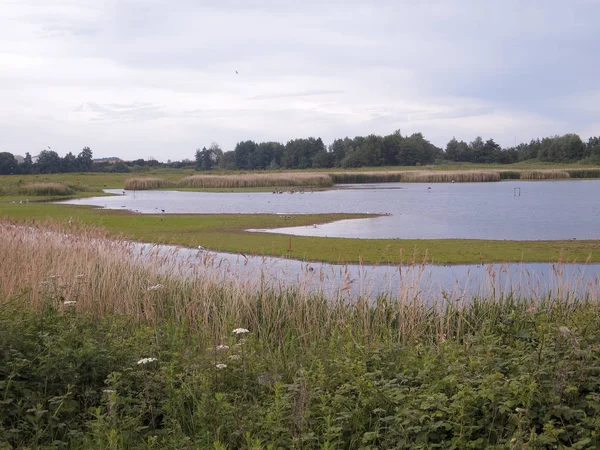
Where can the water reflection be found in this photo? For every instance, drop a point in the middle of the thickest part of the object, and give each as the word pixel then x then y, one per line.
pixel 545 210
pixel 426 282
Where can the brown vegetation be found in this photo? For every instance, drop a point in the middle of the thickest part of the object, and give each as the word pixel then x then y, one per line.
pixel 46 189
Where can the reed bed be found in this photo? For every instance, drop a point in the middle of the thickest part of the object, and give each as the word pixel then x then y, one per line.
pixel 584 173
pixel 366 177
pixel 251 180
pixel 510 175
pixel 49 188
pixel 141 184
pixel 465 176
pixel 545 175
pixel 50 263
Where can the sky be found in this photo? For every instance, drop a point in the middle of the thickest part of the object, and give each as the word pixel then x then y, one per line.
pixel 161 78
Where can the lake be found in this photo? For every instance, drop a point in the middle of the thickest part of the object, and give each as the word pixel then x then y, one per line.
pixel 430 283
pixel 512 210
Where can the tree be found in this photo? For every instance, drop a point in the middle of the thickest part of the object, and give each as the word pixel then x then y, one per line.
pixel 27 165
pixel 207 159
pixel 85 160
pixel 48 162
pixel 8 163
pixel 69 163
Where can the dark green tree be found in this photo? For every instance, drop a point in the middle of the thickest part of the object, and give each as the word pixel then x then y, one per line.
pixel 8 163
pixel 85 160
pixel 48 162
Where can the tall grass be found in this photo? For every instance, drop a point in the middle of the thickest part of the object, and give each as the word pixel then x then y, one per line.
pixel 544 175
pixel 584 173
pixel 140 184
pixel 82 264
pixel 48 188
pixel 257 180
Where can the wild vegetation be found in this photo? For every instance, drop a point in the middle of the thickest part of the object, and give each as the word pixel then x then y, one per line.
pixel 41 189
pixel 98 352
pixel 227 232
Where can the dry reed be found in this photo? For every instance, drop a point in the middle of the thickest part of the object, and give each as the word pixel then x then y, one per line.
pixel 141 184
pixel 544 175
pixel 47 188
pixel 250 180
pixel 54 264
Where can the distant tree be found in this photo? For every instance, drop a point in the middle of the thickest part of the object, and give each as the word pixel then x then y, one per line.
pixel 8 163
pixel 228 161
pixel 244 155
pixel 299 153
pixel 48 162
pixel 69 163
pixel 27 165
pixel 207 159
pixel 85 160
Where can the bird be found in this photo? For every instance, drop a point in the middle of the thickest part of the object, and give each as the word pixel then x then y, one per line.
pixel 236 72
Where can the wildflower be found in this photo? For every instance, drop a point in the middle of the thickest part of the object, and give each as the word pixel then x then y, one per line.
pixel 69 303
pixel 108 391
pixel 564 330
pixel 158 287
pixel 531 309
pixel 234 357
pixel 521 410
pixel 222 347
pixel 240 331
pixel 146 360
pixel 221 366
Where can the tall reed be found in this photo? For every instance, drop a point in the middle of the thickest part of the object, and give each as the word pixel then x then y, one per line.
pixel 140 184
pixel 47 188
pixel 57 264
pixel 544 175
pixel 248 180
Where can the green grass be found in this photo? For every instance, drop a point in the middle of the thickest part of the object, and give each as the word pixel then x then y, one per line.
pixel 516 376
pixel 225 232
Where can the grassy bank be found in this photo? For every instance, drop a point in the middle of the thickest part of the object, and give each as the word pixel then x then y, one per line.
pixel 226 232
pixel 96 352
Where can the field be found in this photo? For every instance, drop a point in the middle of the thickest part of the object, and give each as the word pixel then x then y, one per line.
pixel 96 352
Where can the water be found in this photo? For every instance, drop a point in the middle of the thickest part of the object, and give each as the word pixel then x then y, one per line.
pixel 545 210
pixel 427 282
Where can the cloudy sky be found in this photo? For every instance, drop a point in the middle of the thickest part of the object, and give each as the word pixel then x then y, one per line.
pixel 157 78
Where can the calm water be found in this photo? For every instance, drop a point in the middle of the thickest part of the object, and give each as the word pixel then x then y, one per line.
pixel 544 210
pixel 427 282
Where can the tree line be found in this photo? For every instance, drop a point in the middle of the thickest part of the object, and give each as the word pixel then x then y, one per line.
pixel 312 153
pixel 392 150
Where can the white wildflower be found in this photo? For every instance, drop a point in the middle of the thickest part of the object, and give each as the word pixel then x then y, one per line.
pixel 158 287
pixel 240 331
pixel 521 410
pixel 222 347
pixel 69 303
pixel 108 391
pixel 146 360
pixel 234 357
pixel 221 366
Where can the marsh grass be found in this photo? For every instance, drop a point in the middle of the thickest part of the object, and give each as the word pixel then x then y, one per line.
pixel 250 180
pixel 46 189
pixel 584 173
pixel 544 175
pixel 81 263
pixel 141 184
pixel 97 351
